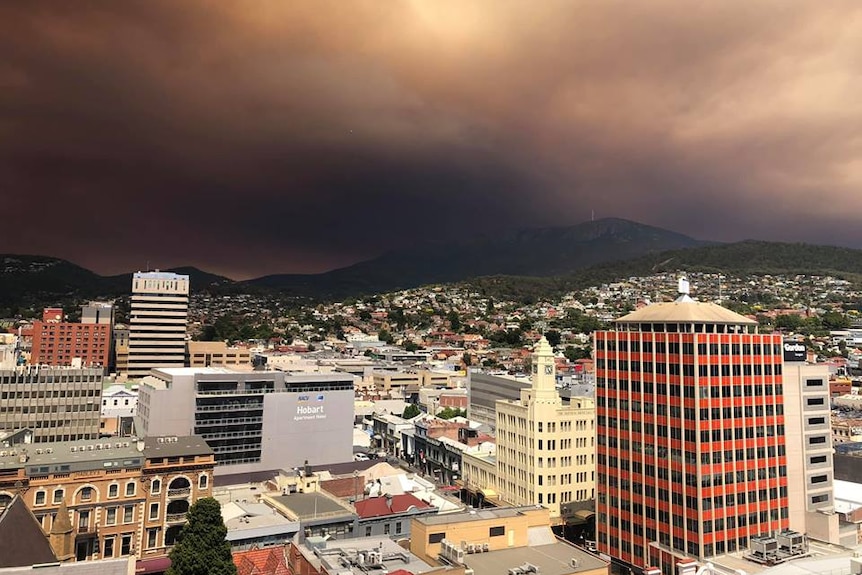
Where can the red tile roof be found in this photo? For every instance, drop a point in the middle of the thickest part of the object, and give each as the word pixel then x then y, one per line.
pixel 268 561
pixel 378 507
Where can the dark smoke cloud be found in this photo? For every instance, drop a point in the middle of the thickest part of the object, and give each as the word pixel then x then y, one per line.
pixel 261 137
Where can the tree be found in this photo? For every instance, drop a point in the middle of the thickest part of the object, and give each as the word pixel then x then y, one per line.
pixel 450 412
pixel 201 547
pixel 411 411
pixel 454 320
pixel 553 337
pixel 384 336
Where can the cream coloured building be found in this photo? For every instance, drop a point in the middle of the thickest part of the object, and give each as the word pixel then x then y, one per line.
pixel 216 353
pixel 545 450
pixel 157 321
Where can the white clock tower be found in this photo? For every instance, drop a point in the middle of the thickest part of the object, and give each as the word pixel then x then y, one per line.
pixel 544 373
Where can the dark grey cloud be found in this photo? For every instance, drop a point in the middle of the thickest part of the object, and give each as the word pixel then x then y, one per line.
pixel 263 137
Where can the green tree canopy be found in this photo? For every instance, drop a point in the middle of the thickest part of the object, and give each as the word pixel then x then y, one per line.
pixel 411 411
pixel 553 336
pixel 384 336
pixel 450 412
pixel 201 548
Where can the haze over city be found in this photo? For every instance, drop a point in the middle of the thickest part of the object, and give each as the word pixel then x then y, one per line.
pixel 253 138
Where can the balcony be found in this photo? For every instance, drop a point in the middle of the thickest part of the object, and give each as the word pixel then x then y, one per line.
pixel 176 517
pixel 203 393
pixel 179 492
pixel 232 434
pixel 213 422
pixel 229 407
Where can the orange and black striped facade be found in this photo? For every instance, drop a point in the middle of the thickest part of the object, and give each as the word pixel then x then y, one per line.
pixel 691 454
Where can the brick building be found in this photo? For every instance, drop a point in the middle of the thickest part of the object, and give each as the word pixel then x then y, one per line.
pixel 60 343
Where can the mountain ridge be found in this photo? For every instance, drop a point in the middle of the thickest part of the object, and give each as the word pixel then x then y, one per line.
pixel 533 260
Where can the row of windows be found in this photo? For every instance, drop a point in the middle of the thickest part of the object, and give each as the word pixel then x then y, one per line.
pixel 676 476
pixel 688 369
pixel 690 413
pixel 688 348
pixel 51 394
pixel 659 429
pixel 86 493
pixel 689 390
pixel 30 380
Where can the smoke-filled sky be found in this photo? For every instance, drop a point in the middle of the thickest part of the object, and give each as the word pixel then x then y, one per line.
pixel 254 137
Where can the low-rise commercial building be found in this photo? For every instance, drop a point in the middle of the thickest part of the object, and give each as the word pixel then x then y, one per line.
pixel 216 353
pixel 119 497
pixel 493 541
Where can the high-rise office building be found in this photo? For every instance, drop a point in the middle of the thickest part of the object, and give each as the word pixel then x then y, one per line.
pixel 691 456
pixel 545 450
pixel 807 418
pixel 58 404
pixel 157 321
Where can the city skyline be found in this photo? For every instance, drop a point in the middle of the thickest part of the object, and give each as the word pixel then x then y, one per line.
pixel 294 137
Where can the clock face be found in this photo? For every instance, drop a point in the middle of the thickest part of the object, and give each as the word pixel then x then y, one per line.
pixel 549 369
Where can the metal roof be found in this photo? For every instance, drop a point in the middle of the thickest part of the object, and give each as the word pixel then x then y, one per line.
pixel 685 311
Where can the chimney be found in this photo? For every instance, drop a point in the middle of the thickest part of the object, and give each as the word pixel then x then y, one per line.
pixel 307 469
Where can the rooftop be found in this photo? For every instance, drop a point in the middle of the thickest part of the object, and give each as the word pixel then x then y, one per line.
pixel 685 310
pixel 83 452
pixel 343 556
pixel 550 559
pixel 270 560
pixel 176 446
pixel 310 506
pixel 393 505
pixel 475 515
pixel 250 520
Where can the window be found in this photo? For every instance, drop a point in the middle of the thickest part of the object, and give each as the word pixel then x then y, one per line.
pixel 86 493
pixel 113 490
pixel 108 547
pixel 203 481
pixel 154 510
pixel 398 527
pixel 58 496
pixel 40 497
pixel 128 513
pixel 436 537
pixel 496 531
pixel 386 528
pixel 368 530
pixel 819 479
pixel 111 517
pixel 130 489
pixel 156 486
pixel 152 538
pixel 126 545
